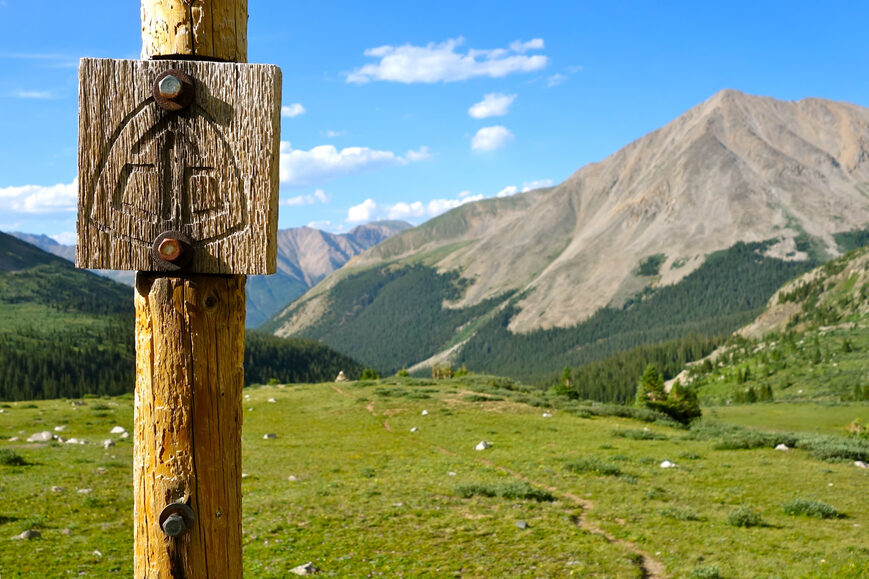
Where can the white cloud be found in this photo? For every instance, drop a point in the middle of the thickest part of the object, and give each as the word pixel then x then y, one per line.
pixel 491 138
pixel 537 184
pixel 556 79
pixel 332 134
pixel 36 199
pixel 65 238
pixel 33 94
pixel 319 196
pixel 325 162
pixel 403 210
pixel 441 63
pixel 492 105
pixel 293 110
pixel 508 191
pixel 433 208
pixel 362 212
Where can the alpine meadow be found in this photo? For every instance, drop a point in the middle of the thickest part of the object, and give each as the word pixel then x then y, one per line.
pixel 470 290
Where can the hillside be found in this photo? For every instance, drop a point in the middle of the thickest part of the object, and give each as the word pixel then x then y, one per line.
pixel 305 256
pixel 811 343
pixel 66 332
pixel 746 182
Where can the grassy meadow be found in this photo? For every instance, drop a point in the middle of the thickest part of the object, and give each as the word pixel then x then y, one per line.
pixel 362 482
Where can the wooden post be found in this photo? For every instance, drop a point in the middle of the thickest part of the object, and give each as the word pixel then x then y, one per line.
pixel 178 179
pixel 189 359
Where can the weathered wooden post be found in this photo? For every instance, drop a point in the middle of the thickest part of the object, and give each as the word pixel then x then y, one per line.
pixel 178 180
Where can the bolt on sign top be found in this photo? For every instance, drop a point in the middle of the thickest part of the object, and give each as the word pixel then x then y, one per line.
pixel 178 166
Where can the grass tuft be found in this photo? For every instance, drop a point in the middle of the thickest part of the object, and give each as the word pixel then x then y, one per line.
pixel 593 466
pixel 636 434
pixel 744 517
pixel 512 491
pixel 9 457
pixel 810 508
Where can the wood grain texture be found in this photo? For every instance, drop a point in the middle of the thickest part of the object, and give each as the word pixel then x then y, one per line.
pixel 188 418
pixel 210 171
pixel 202 28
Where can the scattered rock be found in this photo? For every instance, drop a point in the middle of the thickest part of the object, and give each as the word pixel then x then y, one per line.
pixel 483 445
pixel 341 377
pixel 424 412
pixel 547 415
pixel 272 400
pixel 43 436
pixel 247 396
pixel 522 524
pixel 269 436
pixel 77 403
pixel 13 439
pixel 2 411
pixel 668 464
pixel 108 443
pixel 306 569
pixel 118 430
pixel 84 491
pixel 292 478
pixel 782 447
pixel 57 489
pixel 102 470
pixel 244 475
pixel 66 532
pixel 125 435
pixel 59 428
pixel 451 473
pixel 97 553
pixel 860 464
pixel 27 535
pixel 414 429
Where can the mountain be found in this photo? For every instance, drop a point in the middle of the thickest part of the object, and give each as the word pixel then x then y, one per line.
pixel 688 229
pixel 305 256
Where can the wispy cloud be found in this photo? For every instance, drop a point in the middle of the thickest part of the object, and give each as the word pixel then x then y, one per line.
pixel 330 134
pixel 293 110
pixel 493 105
pixel 319 196
pixel 491 138
pixel 442 62
pixel 46 59
pixel 325 162
pixel 39 199
pixel 32 94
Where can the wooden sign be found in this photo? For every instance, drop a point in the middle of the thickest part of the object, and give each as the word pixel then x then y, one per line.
pixel 178 166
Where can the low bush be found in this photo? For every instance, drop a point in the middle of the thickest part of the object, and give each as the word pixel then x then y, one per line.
pixel 706 572
pixel 9 457
pixel 511 490
pixel 744 517
pixel 593 466
pixel 639 434
pixel 678 514
pixel 809 508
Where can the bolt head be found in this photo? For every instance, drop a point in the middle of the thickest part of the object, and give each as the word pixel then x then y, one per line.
pixel 174 525
pixel 169 87
pixel 170 249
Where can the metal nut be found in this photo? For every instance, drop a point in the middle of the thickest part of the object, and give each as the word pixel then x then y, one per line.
pixel 176 519
pixel 171 251
pixel 173 90
pixel 174 525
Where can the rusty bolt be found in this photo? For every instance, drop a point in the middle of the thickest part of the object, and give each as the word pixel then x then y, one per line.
pixel 173 90
pixel 174 525
pixel 169 249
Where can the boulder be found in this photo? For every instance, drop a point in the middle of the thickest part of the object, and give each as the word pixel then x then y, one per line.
pixel 306 569
pixel 860 464
pixel 43 436
pixel 483 445
pixel 27 535
pixel 341 377
pixel 13 439
pixel 782 447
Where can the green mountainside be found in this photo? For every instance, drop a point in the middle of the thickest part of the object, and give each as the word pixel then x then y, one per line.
pixel 66 332
pixel 810 344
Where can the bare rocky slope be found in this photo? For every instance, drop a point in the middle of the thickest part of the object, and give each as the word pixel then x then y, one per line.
pixel 736 168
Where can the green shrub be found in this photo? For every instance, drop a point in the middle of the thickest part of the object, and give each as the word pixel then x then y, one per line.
pixel 369 374
pixel 639 434
pixel 809 508
pixel 707 572
pixel 744 517
pixel 678 514
pixel 511 490
pixel 593 466
pixel 9 457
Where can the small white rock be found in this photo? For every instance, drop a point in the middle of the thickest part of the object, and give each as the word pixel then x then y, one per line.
pixel 59 428
pixel 483 445
pixel 269 436
pixel 306 569
pixel 125 435
pixel 451 473
pixel 668 464
pixel 2 411
pixel 414 429
pixel 71 441
pixel 97 553
pixel 26 535
pixel 13 439
pixel 57 489
pixel 292 478
pixel 424 412
pixel 43 436
pixel 84 491
pixel 118 430
pixel 547 415
pixel 860 464
pixel 108 443
pixel 272 400
pixel 782 447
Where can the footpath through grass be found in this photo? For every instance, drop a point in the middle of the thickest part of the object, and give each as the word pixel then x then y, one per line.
pixel 362 483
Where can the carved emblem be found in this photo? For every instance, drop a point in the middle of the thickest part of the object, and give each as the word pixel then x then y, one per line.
pixel 208 171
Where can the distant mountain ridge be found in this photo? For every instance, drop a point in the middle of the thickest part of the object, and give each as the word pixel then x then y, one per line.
pixel 305 256
pixel 782 177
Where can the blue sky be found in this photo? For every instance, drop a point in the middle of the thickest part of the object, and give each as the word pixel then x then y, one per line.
pixel 406 109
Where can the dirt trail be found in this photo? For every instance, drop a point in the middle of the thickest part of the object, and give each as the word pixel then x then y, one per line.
pixel 650 567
